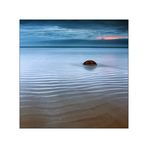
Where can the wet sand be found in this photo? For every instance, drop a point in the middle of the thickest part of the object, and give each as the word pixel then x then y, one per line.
pixel 96 114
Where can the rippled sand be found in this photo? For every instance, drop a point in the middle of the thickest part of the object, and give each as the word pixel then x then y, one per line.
pixel 56 90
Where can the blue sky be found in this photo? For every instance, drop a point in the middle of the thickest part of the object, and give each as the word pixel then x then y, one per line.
pixel 47 32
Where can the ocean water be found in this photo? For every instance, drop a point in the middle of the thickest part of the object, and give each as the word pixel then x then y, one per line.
pixel 56 90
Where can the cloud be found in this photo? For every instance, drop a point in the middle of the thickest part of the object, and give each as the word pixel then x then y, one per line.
pixel 112 37
pixel 37 30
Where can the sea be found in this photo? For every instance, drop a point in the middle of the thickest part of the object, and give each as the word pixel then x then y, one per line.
pixel 57 90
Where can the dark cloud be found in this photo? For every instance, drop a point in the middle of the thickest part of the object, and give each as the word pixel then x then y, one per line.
pixel 79 24
pixel 42 30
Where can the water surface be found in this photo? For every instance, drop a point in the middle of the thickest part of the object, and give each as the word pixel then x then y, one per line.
pixel 56 90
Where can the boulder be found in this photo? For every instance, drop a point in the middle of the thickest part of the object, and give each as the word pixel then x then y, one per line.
pixel 90 62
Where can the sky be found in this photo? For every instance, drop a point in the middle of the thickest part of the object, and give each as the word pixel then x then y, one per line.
pixel 73 32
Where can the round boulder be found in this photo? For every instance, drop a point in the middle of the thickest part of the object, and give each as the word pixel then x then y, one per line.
pixel 90 62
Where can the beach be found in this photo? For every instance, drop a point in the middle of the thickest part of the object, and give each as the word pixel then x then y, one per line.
pixel 57 91
pixel 105 114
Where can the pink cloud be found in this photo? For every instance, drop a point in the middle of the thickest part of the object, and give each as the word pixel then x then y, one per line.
pixel 112 37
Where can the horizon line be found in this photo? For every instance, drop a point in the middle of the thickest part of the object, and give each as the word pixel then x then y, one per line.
pixel 73 46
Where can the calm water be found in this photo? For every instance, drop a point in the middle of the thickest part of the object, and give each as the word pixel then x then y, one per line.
pixel 56 90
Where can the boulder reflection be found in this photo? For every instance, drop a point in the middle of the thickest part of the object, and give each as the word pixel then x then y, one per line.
pixel 90 67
